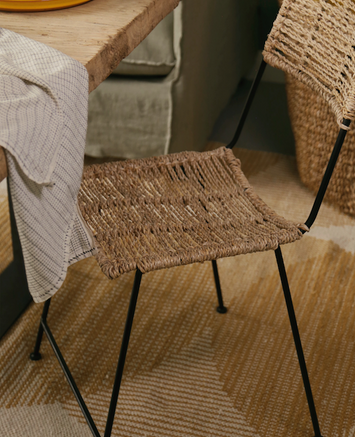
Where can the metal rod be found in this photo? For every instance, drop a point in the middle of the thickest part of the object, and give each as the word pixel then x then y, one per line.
pixel 248 104
pixel 123 353
pixel 297 340
pixel 221 308
pixel 70 379
pixel 327 175
pixel 36 355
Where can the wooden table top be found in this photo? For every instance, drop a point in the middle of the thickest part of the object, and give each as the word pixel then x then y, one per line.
pixel 99 34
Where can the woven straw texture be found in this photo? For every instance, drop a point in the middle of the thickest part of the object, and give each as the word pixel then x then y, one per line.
pixel 192 372
pixel 313 121
pixel 314 40
pixel 315 131
pixel 175 210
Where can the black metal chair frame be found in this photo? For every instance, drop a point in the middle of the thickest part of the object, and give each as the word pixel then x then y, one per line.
pixel 221 308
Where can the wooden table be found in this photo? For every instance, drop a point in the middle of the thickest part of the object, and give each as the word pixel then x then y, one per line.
pixel 99 34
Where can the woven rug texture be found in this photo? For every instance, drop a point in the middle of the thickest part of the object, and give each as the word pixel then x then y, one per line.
pixel 189 370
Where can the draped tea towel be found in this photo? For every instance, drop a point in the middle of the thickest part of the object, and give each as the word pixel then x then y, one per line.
pixel 43 122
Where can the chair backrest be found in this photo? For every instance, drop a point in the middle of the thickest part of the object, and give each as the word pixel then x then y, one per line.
pixel 314 40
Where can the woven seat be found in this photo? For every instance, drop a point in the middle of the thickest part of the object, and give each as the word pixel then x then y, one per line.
pixel 174 210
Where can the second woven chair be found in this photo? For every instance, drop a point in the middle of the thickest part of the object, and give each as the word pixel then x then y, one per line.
pixel 193 207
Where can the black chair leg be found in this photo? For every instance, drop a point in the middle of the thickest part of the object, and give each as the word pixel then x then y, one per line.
pixel 121 360
pixel 221 308
pixel 123 352
pixel 36 355
pixel 297 340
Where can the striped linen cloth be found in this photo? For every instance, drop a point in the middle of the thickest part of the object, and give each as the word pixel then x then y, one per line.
pixel 43 122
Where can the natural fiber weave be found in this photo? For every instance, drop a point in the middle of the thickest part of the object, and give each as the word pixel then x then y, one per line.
pixel 315 131
pixel 175 210
pixel 313 122
pixel 314 40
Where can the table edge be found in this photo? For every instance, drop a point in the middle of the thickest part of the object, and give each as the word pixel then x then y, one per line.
pixel 114 51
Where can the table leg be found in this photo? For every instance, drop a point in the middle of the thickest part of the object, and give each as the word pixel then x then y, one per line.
pixel 14 294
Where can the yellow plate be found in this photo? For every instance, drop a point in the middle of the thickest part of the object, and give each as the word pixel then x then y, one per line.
pixel 37 5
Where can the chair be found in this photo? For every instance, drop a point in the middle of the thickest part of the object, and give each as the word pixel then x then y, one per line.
pixel 194 207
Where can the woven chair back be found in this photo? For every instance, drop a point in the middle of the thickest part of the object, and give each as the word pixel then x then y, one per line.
pixel 314 40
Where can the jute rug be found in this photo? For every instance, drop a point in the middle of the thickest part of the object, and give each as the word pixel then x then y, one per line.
pixel 191 371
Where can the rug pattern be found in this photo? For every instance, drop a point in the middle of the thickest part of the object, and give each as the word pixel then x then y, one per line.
pixel 191 371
